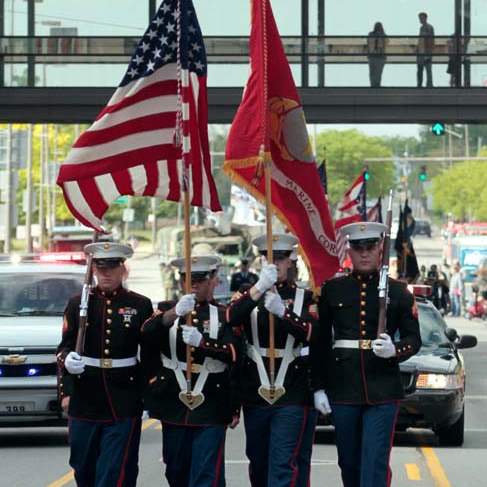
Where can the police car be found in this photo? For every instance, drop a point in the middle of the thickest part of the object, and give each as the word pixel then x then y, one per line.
pixel 434 378
pixel 33 296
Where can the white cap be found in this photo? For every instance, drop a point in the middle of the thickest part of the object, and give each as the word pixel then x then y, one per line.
pixel 280 242
pixel 109 250
pixel 206 250
pixel 199 264
pixel 363 231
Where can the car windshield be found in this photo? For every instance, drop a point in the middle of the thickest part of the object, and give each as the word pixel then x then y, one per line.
pixel 37 294
pixel 432 327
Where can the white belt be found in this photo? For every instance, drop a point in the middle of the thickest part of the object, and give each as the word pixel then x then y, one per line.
pixel 211 365
pixel 110 363
pixel 356 344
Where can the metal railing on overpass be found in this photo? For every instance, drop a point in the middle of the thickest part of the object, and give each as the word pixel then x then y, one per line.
pixel 330 61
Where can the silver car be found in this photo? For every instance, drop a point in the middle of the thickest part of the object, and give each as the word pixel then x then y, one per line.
pixel 33 297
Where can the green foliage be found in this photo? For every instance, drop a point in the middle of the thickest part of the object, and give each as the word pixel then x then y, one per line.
pixel 345 152
pixel 462 191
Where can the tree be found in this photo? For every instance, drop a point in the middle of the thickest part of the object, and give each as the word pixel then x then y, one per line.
pixel 345 152
pixel 461 190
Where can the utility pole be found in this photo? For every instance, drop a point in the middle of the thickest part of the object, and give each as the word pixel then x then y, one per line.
pixel 28 214
pixel 52 177
pixel 154 224
pixel 467 142
pixel 8 193
pixel 127 223
pixel 47 185
pixel 450 148
pixel 42 227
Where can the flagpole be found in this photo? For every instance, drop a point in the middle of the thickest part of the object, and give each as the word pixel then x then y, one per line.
pixel 268 197
pixel 182 140
pixel 268 211
pixel 187 283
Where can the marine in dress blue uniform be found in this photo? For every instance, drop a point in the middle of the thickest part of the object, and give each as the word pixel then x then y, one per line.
pixel 356 373
pixel 102 389
pixel 276 426
pixel 244 278
pixel 193 435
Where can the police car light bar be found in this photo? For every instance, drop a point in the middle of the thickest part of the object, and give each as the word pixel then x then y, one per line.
pixel 421 290
pixel 77 257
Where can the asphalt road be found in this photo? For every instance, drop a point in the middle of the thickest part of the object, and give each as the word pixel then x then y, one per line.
pixel 39 457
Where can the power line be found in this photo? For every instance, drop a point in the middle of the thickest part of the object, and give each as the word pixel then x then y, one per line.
pixel 94 22
pixel 423 159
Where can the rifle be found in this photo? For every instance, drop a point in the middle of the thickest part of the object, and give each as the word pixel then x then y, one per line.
pixel 384 271
pixel 83 306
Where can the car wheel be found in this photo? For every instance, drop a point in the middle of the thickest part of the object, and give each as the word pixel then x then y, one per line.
pixel 452 435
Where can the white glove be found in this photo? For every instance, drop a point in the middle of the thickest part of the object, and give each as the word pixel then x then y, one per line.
pixel 74 363
pixel 383 346
pixel 321 402
pixel 267 278
pixel 185 305
pixel 274 304
pixel 191 336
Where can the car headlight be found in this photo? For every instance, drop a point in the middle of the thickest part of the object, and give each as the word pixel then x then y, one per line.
pixel 439 381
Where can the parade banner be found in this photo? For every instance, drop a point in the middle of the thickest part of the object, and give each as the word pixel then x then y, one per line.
pixel 271 115
pixel 156 119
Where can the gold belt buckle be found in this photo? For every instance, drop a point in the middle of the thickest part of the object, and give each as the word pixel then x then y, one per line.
pixel 365 344
pixel 106 363
pixel 195 368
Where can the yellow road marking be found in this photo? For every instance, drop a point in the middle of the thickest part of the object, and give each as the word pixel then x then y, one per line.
pixel 148 423
pixel 67 478
pixel 412 471
pixel 435 468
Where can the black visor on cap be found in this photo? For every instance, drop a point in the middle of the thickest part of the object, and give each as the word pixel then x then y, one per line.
pixel 108 263
pixel 196 276
pixel 277 254
pixel 364 243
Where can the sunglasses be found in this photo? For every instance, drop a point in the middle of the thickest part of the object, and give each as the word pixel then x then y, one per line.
pixel 360 247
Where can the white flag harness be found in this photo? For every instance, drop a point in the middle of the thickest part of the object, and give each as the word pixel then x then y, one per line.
pixel 209 366
pixel 288 354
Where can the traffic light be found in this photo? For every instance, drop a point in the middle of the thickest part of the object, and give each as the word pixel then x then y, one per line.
pixel 438 128
pixel 423 175
pixel 366 174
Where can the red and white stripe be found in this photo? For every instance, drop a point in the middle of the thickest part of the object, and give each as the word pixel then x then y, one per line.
pixel 130 148
pixel 349 212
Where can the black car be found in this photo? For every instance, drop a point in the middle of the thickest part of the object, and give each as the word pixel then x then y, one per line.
pixel 422 227
pixel 434 380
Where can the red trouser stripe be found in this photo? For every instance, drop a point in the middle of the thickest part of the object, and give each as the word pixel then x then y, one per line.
pixel 389 471
pixel 296 450
pixel 121 477
pixel 219 463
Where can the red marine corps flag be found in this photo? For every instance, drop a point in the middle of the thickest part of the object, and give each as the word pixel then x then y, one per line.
pixel 156 119
pixel 270 126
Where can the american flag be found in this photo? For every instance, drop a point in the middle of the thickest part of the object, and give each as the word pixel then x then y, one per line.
pixel 374 214
pixel 153 134
pixel 351 209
